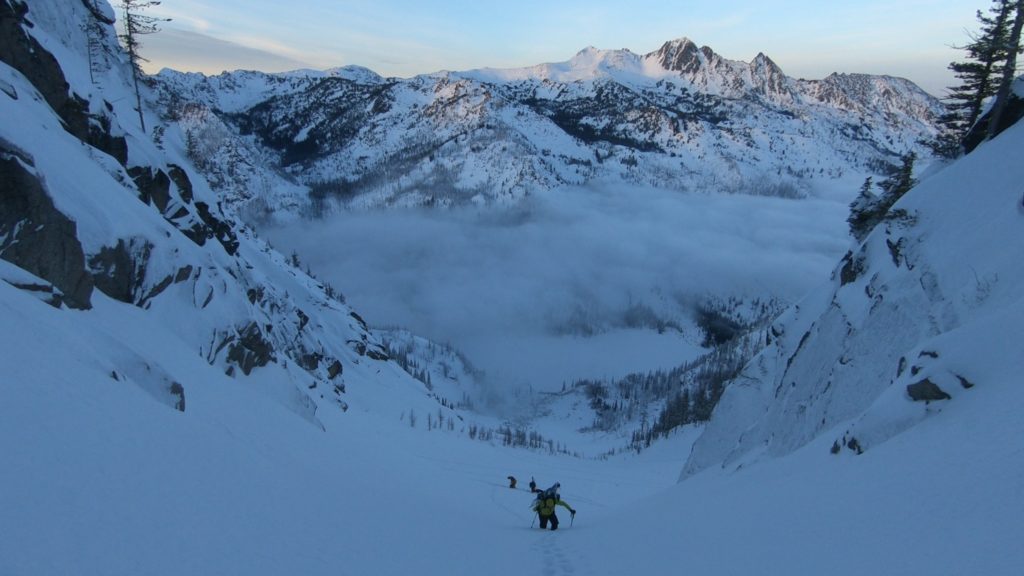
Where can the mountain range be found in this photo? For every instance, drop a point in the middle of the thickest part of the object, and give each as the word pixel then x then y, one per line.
pixel 681 117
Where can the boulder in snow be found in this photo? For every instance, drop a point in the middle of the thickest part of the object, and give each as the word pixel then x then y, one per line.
pixel 926 390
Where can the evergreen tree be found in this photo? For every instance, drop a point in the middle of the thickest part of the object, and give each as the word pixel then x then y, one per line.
pixel 868 209
pixel 991 55
pixel 136 24
pixel 895 186
pixel 1009 71
pixel 96 25
pixel 863 212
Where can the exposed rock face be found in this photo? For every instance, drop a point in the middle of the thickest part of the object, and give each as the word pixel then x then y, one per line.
pixel 925 391
pixel 769 79
pixel 217 228
pixel 178 391
pixel 1014 112
pixel 680 55
pixel 154 186
pixel 101 137
pixel 251 349
pixel 180 178
pixel 26 55
pixel 35 236
pixel 196 221
pixel 119 271
pixel 335 370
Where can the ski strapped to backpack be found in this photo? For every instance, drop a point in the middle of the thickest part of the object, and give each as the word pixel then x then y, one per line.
pixel 552 492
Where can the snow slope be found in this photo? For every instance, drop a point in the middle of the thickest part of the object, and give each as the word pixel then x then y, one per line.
pixel 101 479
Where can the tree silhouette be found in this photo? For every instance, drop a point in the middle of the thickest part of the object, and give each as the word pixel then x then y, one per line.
pixel 988 71
pixel 1009 71
pixel 137 24
pixel 863 211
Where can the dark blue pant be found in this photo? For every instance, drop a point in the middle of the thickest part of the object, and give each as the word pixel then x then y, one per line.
pixel 545 519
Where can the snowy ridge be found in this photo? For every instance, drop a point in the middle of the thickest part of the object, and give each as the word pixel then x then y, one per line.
pixel 239 90
pixel 681 117
pixel 922 310
pixel 588 64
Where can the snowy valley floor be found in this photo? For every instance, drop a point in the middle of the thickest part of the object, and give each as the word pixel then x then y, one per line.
pixel 100 479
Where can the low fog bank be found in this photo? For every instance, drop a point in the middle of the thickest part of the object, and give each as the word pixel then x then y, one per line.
pixel 573 283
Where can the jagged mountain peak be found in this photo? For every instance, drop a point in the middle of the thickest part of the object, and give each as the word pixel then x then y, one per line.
pixel 681 43
pixel 769 79
pixel 681 55
pixel 763 61
pixel 710 72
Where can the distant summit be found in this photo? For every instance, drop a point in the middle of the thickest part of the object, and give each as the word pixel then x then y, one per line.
pixel 356 74
pixel 682 56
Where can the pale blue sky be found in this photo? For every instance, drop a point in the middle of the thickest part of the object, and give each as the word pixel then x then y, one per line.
pixel 809 39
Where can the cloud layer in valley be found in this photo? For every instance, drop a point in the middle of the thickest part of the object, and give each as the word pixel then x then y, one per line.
pixel 518 288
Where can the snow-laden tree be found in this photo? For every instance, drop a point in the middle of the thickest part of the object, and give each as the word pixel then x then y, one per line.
pixel 899 183
pixel 863 211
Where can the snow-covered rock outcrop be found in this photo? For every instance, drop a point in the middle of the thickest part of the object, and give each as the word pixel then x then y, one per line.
pixel 99 215
pixel 917 319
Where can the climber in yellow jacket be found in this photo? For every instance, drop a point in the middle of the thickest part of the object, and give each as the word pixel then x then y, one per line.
pixel 545 504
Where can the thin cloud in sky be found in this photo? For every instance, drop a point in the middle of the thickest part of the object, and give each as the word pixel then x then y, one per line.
pixel 192 51
pixel 402 38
